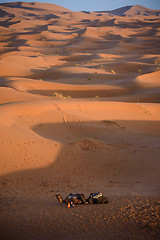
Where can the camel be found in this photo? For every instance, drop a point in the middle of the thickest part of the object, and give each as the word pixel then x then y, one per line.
pixel 97 198
pixel 71 199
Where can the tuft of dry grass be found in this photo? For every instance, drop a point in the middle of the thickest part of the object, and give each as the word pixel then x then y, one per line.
pixel 60 95
pixel 112 71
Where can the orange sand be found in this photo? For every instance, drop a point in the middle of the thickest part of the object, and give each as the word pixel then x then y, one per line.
pixel 79 112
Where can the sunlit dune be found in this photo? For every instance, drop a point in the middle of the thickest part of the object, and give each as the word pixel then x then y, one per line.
pixel 79 112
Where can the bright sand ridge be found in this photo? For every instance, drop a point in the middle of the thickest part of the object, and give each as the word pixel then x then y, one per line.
pixel 79 112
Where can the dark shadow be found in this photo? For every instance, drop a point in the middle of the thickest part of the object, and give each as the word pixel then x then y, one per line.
pixel 14 42
pixel 19 5
pixel 80 58
pixel 4 14
pixel 7 23
pixel 95 155
pixel 30 14
pixel 86 20
pixel 55 74
pixel 81 93
pixel 130 94
pixel 122 70
pixel 137 24
pixel 37 29
pixel 4 82
pixel 95 131
pixel 127 11
pixel 86 12
pixel 48 17
pixel 118 12
pixel 99 23
pixel 151 32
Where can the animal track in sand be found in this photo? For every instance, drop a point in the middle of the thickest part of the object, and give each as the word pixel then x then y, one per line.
pixel 145 110
pixel 110 123
pixel 74 129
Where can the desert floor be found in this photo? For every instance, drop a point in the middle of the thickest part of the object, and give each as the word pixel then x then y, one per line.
pixel 79 112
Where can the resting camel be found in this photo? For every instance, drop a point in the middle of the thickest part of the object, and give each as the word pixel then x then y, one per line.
pixel 94 198
pixel 72 199
pixel 97 198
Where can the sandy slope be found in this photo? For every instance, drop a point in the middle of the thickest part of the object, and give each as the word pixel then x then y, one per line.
pixel 79 112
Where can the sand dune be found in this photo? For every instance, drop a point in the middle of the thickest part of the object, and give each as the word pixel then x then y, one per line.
pixel 79 112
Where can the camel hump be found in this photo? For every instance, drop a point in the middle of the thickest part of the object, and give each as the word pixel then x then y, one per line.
pixel 71 195
pixel 96 195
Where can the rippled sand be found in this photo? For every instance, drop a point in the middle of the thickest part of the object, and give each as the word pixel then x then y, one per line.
pixel 79 112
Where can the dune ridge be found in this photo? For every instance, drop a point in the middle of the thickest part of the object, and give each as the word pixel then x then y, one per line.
pixel 79 112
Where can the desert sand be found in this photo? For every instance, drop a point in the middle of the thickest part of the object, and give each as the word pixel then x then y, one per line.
pixel 79 112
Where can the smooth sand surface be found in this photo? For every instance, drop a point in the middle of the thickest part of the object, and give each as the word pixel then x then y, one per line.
pixel 79 112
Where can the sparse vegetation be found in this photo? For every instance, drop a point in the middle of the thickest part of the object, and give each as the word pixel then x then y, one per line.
pixel 112 71
pixel 101 66
pixel 60 95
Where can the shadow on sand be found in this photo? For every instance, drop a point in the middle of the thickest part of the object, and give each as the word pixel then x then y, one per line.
pixel 94 156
